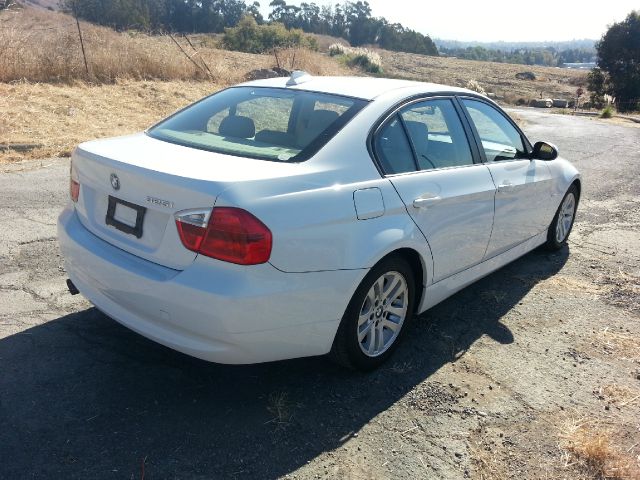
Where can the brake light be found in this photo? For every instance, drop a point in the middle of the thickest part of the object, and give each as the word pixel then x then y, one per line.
pixel 74 184
pixel 225 233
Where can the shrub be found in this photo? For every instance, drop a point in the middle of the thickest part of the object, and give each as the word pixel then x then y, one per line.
pixel 363 62
pixel 250 37
pixel 336 49
pixel 607 112
pixel 367 60
pixel 476 87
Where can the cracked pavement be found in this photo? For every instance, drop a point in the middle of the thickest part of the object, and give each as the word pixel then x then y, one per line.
pixel 481 387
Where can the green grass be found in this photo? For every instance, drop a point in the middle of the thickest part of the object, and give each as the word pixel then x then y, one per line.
pixel 607 112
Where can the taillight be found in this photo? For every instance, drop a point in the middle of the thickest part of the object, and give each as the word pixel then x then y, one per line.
pixel 226 233
pixel 74 184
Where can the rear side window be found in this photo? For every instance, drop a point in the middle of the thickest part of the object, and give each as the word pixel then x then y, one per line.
pixel 437 134
pixel 393 148
pixel 425 135
pixel 263 123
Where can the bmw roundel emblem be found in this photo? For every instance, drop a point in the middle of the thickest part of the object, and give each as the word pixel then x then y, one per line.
pixel 115 181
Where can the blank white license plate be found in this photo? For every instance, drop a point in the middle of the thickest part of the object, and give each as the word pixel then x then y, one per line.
pixel 126 215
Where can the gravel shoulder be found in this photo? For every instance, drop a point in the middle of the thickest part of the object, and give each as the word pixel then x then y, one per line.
pixel 507 379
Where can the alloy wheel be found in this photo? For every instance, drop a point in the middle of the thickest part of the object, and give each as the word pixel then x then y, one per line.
pixel 565 217
pixel 382 314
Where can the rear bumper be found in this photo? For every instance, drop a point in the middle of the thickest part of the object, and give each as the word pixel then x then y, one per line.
pixel 212 310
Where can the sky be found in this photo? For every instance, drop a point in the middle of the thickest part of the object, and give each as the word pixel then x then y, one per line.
pixel 495 20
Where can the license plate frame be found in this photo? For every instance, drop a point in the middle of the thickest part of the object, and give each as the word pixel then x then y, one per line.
pixel 135 230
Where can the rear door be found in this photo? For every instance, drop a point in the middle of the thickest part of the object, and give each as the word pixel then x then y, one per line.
pixel 424 150
pixel 523 186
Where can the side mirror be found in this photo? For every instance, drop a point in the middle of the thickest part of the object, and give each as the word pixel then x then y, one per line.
pixel 544 151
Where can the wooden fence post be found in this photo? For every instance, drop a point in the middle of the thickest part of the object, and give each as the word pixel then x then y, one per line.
pixel 84 55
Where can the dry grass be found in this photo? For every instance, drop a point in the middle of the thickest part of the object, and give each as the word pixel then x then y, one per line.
pixel 497 78
pixel 46 99
pixel 60 116
pixel 43 46
pixel 281 408
pixel 488 461
pixel 325 41
pixel 620 395
pixel 593 449
pixel 620 344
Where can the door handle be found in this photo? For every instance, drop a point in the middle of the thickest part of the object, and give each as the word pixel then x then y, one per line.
pixel 426 201
pixel 506 186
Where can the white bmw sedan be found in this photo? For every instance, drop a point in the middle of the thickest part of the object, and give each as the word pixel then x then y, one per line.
pixel 305 216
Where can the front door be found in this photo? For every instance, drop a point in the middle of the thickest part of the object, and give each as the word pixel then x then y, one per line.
pixel 425 153
pixel 523 186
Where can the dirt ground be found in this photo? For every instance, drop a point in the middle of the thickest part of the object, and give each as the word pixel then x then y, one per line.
pixel 531 373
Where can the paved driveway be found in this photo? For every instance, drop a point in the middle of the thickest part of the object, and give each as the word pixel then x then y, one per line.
pixel 83 397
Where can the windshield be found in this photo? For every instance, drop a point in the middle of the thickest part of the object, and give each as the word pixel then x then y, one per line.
pixel 263 123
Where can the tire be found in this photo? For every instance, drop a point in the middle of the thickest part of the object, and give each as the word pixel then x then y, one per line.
pixel 562 222
pixel 365 337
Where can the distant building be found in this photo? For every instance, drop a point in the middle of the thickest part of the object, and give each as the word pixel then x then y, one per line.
pixel 580 66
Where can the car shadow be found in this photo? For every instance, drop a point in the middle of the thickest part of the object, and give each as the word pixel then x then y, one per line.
pixel 83 397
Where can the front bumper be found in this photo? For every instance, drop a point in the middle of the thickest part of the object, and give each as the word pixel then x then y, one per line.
pixel 212 310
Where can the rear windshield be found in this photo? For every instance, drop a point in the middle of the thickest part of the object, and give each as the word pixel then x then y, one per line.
pixel 264 123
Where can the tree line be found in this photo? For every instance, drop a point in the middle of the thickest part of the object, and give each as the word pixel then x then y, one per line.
pixel 550 57
pixel 352 21
pixel 194 16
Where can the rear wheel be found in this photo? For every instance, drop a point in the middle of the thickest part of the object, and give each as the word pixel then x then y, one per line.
pixel 562 223
pixel 375 319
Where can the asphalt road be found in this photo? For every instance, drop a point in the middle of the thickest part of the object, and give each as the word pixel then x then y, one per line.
pixel 83 397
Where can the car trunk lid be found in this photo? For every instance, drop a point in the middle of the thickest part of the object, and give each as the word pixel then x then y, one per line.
pixel 122 176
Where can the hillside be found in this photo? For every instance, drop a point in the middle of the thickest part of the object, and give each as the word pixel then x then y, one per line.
pixel 136 79
pixel 498 78
pixel 43 46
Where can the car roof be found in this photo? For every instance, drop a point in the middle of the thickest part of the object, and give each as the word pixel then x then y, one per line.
pixel 366 88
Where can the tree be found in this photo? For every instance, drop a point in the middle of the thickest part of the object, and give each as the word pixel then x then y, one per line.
pixel 254 11
pixel 597 84
pixel 619 57
pixel 361 25
pixel 250 37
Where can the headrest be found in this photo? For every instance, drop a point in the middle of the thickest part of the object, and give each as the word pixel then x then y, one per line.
pixel 322 118
pixel 237 126
pixel 417 130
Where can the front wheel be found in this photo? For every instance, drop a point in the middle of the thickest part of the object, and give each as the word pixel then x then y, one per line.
pixel 373 323
pixel 562 223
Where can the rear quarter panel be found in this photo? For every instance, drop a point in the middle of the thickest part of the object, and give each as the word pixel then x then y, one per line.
pixel 316 228
pixel 312 215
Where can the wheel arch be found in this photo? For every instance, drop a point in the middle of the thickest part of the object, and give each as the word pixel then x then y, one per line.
pixel 418 267
pixel 578 183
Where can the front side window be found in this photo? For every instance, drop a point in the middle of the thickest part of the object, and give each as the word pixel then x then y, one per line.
pixel 500 139
pixel 263 123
